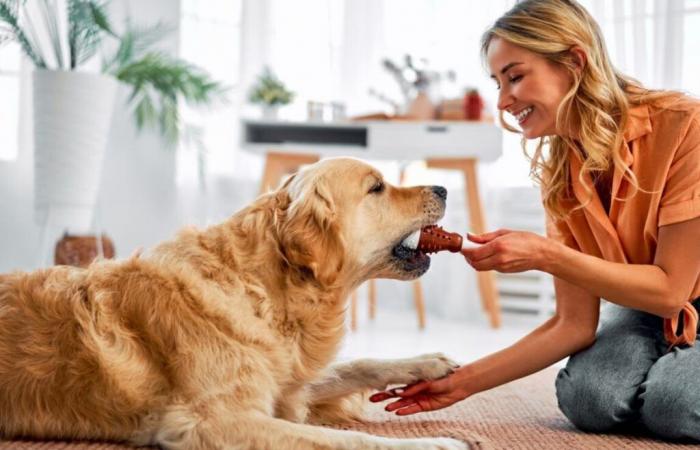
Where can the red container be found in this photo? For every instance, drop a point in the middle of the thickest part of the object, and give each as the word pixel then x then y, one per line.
pixel 473 105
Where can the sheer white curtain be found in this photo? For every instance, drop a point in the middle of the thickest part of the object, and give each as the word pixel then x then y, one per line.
pixel 324 50
pixel 654 41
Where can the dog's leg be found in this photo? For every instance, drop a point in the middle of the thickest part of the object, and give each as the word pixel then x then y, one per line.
pixel 338 396
pixel 292 405
pixel 253 430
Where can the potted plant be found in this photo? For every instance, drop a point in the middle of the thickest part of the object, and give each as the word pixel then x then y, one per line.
pixel 270 93
pixel 73 108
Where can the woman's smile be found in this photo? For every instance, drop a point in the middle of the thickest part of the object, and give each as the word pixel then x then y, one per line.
pixel 522 115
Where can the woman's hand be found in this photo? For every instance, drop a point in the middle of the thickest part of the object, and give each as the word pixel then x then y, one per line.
pixel 508 251
pixel 423 396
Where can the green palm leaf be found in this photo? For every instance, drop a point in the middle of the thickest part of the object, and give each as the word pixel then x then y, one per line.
pixel 87 25
pixel 134 43
pixel 12 30
pixel 158 83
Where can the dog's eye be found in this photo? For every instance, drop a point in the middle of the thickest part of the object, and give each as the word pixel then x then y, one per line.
pixel 378 188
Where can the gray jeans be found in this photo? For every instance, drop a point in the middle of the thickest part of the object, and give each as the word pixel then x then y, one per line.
pixel 627 378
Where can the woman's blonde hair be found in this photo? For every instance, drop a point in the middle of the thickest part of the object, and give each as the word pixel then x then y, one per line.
pixel 597 103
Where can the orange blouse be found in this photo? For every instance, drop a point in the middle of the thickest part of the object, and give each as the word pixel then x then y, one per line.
pixel 662 148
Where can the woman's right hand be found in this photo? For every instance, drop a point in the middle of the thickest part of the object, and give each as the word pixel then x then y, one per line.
pixel 424 395
pixel 509 251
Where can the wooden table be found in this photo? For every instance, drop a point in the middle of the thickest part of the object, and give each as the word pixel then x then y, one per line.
pixel 443 145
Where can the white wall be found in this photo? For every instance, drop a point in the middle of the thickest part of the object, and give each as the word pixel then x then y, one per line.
pixel 18 234
pixel 138 196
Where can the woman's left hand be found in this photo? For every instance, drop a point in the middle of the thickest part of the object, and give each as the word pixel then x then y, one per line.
pixel 508 251
pixel 426 395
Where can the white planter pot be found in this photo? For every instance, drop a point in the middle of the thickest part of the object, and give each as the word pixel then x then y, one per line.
pixel 72 119
pixel 270 112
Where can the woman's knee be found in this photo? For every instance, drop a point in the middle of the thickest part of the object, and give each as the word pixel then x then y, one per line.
pixel 594 404
pixel 671 396
pixel 598 389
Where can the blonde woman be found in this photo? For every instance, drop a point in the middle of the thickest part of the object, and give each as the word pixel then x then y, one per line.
pixel 620 181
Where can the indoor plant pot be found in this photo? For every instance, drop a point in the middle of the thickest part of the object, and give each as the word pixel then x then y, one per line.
pixel 72 119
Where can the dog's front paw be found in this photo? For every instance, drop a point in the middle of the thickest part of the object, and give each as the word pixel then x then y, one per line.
pixel 431 366
pixel 423 367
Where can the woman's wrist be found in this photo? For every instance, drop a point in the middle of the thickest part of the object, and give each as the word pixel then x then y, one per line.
pixel 550 253
pixel 462 382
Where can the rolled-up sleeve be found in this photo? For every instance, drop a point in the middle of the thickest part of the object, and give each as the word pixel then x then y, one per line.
pixel 680 200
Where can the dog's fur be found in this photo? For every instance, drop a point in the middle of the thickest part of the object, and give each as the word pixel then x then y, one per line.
pixel 220 338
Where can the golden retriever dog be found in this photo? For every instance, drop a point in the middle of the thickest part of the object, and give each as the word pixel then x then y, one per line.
pixel 220 338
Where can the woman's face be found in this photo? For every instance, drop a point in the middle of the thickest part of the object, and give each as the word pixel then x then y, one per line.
pixel 530 87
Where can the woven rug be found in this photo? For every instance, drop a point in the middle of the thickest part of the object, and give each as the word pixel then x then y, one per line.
pixel 519 415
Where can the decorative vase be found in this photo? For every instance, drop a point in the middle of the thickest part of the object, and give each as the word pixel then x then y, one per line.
pixel 421 108
pixel 72 119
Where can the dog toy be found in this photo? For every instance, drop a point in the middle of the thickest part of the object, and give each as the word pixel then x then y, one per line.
pixel 433 239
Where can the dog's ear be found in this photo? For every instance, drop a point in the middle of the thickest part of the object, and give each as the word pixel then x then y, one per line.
pixel 308 230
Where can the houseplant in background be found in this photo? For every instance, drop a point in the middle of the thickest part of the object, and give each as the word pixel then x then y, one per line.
pixel 73 107
pixel 270 93
pixel 72 110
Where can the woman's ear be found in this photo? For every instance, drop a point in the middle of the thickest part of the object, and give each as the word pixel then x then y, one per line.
pixel 309 233
pixel 578 58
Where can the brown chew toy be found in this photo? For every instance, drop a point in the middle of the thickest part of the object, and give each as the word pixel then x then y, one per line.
pixel 434 239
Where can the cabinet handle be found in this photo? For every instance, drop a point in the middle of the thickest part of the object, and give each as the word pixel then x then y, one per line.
pixel 437 129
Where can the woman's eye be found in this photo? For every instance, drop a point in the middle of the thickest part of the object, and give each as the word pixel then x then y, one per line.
pixel 377 188
pixel 516 78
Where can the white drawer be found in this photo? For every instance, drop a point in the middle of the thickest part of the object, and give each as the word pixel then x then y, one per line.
pixel 436 139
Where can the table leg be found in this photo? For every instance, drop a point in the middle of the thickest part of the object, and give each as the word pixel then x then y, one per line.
pixel 420 303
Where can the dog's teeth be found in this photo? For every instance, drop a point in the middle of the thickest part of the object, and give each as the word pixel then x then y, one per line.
pixel 412 240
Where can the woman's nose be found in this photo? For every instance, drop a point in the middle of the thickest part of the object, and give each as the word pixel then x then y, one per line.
pixel 505 99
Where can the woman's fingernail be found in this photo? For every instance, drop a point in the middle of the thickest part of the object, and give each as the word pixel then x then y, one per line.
pixel 398 391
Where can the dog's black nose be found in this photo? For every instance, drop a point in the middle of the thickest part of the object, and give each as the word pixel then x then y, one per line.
pixel 440 192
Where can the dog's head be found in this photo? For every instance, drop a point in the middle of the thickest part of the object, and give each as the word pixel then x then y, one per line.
pixel 342 219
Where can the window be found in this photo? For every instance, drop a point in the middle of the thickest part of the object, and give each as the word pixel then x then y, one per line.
pixel 9 106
